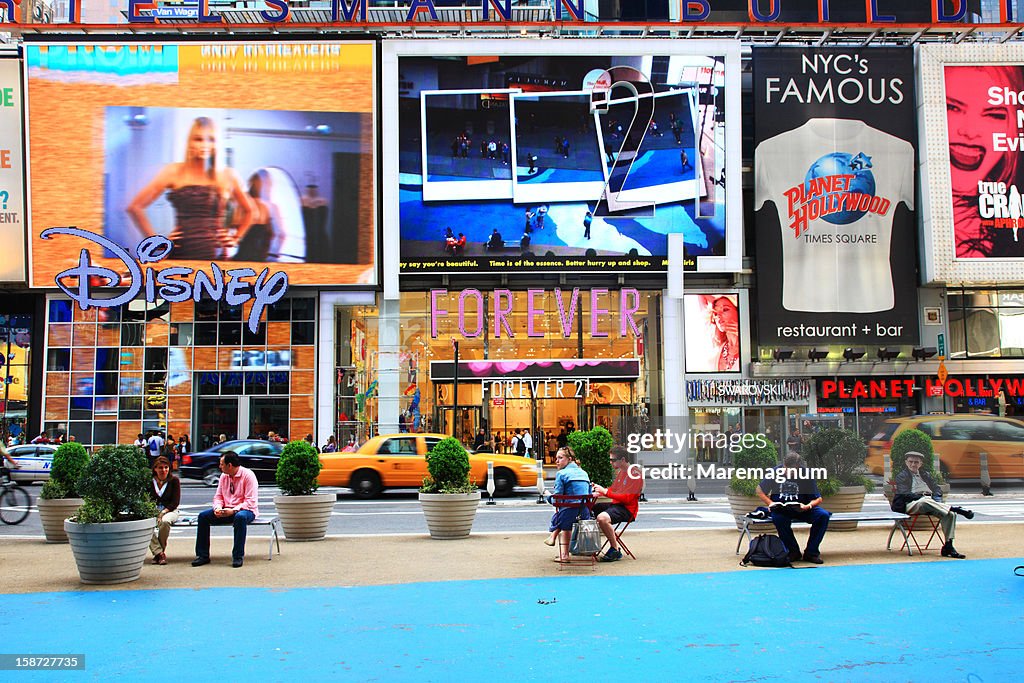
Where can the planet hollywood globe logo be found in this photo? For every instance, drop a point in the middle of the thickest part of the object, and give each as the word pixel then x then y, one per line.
pixel 861 182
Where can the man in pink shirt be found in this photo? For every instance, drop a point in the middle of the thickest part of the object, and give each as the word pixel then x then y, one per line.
pixel 235 503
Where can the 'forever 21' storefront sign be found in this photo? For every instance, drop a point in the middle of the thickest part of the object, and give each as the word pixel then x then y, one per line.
pixel 174 283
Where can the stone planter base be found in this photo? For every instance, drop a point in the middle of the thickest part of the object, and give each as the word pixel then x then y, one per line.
pixel 449 515
pixel 305 518
pixel 112 552
pixel 52 514
pixel 849 499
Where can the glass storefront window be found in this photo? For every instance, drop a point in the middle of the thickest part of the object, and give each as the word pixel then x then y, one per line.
pixel 111 374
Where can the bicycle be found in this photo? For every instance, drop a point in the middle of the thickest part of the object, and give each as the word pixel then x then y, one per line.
pixel 15 502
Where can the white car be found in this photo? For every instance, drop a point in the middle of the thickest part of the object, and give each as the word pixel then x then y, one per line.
pixel 35 461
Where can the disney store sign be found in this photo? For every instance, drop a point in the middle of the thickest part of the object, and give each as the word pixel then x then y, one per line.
pixel 234 286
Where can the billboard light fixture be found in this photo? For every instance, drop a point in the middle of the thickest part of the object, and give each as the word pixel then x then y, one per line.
pixel 782 354
pixel 816 355
pixel 924 352
pixel 852 353
pixel 887 354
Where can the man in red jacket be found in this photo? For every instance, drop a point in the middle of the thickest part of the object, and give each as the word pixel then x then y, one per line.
pixel 625 496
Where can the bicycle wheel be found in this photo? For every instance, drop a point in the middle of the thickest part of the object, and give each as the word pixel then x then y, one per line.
pixel 14 505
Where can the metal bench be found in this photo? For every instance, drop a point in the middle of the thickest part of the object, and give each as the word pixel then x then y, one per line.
pixel 273 522
pixel 898 519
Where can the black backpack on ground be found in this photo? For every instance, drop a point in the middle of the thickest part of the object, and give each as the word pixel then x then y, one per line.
pixel 766 550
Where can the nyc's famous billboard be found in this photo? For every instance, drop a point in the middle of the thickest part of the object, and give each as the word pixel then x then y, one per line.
pixel 526 156
pixel 243 155
pixel 834 161
pixel 973 106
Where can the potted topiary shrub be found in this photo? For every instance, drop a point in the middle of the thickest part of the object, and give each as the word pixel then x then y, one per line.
pixel 841 453
pixel 592 447
pixel 304 513
pixel 58 498
pixel 742 496
pixel 448 496
pixel 111 532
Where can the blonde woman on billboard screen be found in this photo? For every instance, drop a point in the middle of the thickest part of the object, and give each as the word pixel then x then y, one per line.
pixel 981 177
pixel 200 192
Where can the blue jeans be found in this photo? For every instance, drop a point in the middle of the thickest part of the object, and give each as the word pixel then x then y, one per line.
pixel 240 520
pixel 818 519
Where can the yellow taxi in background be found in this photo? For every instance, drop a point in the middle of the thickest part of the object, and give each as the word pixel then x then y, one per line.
pixel 399 461
pixel 958 439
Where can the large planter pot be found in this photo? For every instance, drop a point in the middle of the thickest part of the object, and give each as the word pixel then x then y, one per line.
pixel 848 499
pixel 111 552
pixel 305 518
pixel 52 514
pixel 740 505
pixel 449 515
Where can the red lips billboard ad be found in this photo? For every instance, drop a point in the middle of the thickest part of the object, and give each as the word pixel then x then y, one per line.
pixel 834 160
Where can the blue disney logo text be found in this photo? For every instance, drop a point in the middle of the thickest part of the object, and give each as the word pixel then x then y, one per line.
pixel 171 284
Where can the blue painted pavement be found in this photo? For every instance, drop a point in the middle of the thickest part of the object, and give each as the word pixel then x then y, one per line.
pixel 934 621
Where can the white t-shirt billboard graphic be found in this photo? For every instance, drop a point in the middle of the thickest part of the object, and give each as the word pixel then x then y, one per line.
pixel 835 184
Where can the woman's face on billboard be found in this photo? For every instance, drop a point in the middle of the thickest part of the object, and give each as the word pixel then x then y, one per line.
pixel 972 121
pixel 201 143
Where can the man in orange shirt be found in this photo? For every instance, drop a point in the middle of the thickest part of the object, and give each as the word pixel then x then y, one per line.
pixel 625 496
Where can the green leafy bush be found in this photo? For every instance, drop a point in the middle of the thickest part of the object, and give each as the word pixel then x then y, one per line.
pixel 114 486
pixel 592 448
pixel 914 440
pixel 69 460
pixel 763 456
pixel 841 452
pixel 448 465
pixel 297 469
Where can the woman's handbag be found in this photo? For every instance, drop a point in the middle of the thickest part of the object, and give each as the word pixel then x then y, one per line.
pixel 586 537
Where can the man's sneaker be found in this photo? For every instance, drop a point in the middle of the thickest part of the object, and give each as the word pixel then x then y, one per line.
pixel 794 555
pixel 612 555
pixel 814 559
pixel 236 563
pixel 968 514
pixel 758 515
pixel 200 561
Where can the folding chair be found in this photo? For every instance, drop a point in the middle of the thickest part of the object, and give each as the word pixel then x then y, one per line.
pixel 930 523
pixel 578 503
pixel 619 530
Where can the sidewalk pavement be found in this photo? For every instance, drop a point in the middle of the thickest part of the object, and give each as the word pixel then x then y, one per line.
pixel 35 566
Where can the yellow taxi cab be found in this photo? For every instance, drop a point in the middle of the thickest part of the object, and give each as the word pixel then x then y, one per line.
pixel 399 461
pixel 958 440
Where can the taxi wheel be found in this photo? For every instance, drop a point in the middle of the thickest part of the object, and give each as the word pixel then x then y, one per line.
pixel 365 484
pixel 504 482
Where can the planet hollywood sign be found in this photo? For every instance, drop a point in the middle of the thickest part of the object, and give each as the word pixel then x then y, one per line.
pixel 905 388
pixel 173 284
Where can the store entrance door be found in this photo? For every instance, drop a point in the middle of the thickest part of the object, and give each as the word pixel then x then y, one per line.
pixel 467 423
pixel 239 417
pixel 769 421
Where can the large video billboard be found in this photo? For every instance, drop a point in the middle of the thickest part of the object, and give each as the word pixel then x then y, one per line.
pixel 244 155
pixel 524 156
pixel 834 162
pixel 12 171
pixel 973 101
